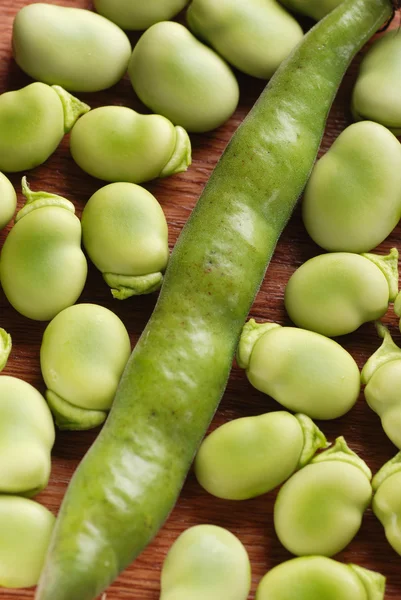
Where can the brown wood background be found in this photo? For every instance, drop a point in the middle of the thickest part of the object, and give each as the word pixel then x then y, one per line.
pixel 250 520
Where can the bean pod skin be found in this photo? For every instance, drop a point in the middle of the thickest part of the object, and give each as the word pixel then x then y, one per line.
pixel 316 9
pixel 71 47
pixel 42 267
pixel 206 562
pixel 213 275
pixel 353 198
pixel 138 15
pixel 254 36
pixel 320 578
pixel 33 121
pixel 177 76
pixel 248 457
pixel 115 143
pixel 319 510
pixel 334 294
pixel 125 234
pixel 386 503
pixel 8 201
pixel 302 370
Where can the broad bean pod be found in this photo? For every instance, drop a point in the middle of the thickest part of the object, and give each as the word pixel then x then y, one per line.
pixel 26 527
pixel 33 121
pixel 378 85
pixel 254 36
pixel 42 267
pixel 180 78
pixel 316 9
pixel 8 201
pixel 125 234
pixel 333 294
pixel 386 503
pixel 382 376
pixel 302 370
pixel 139 15
pixel 71 47
pixel 320 578
pixel 248 457
pixel 26 438
pixel 83 354
pixel 5 347
pixel 179 368
pixel 319 510
pixel 117 144
pixel 206 562
pixel 353 198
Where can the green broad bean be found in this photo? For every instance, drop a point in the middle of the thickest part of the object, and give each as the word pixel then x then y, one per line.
pixel 26 438
pixel 251 456
pixel 125 234
pixel 8 201
pixel 83 354
pixel 320 578
pixel 386 503
pixel 378 85
pixel 42 267
pixel 302 370
pixel 382 376
pixel 177 76
pixel 353 198
pixel 206 562
pixel 117 144
pixel 254 36
pixel 33 121
pixel 319 510
pixel 75 48
pixel 137 16
pixel 178 371
pixel 333 294
pixel 316 9
pixel 26 527
pixel 5 347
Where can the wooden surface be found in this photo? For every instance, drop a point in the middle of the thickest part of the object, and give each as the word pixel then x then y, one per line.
pixel 250 520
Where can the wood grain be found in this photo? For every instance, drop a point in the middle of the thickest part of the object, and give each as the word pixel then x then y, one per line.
pixel 250 520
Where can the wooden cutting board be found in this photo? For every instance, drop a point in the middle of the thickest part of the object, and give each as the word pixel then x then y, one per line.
pixel 250 520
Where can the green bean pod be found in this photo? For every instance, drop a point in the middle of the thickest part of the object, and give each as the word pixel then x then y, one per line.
pixel 8 201
pixel 136 16
pixel 248 457
pixel 386 503
pixel 320 578
pixel 319 510
pixel 33 121
pixel 178 371
pixel 316 9
pixel 5 347
pixel 42 267
pixel 382 376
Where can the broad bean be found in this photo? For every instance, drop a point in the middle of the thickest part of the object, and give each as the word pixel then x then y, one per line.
pixel 320 578
pixel 316 9
pixel 5 347
pixel 139 15
pixel 333 294
pixel 251 456
pixel 125 234
pixel 378 85
pixel 115 143
pixel 83 353
pixel 8 201
pixel 319 510
pixel 353 198
pixel 179 77
pixel 33 121
pixel 26 527
pixel 42 267
pixel 386 503
pixel 71 47
pixel 254 36
pixel 206 562
pixel 382 376
pixel 302 370
pixel 26 438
